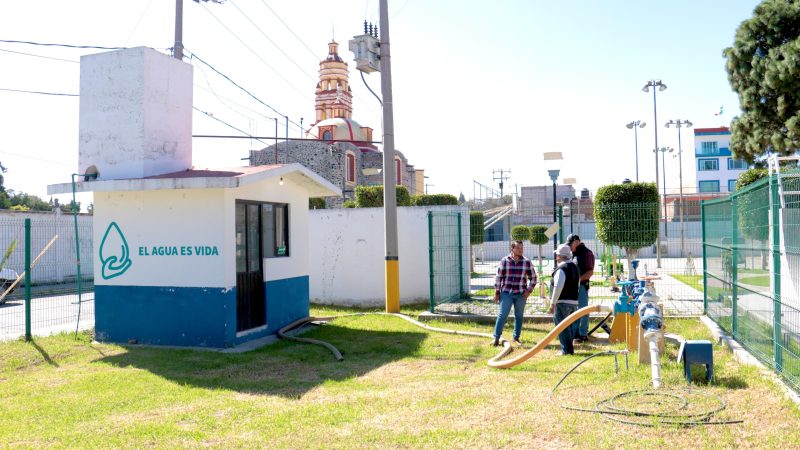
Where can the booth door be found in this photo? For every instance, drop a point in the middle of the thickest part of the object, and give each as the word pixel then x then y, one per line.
pixel 250 301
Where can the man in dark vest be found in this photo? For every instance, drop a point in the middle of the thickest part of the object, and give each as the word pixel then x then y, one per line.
pixel 564 295
pixel 584 258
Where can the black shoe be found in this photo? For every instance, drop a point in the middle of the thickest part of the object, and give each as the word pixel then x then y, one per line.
pixel 496 343
pixel 517 342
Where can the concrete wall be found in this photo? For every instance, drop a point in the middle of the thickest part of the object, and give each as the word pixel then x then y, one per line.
pixel 135 114
pixel 57 265
pixel 347 254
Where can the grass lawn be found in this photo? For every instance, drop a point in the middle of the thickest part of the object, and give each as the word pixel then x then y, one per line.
pixel 399 387
pixel 758 280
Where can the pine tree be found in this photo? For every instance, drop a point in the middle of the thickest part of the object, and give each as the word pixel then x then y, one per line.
pixel 764 69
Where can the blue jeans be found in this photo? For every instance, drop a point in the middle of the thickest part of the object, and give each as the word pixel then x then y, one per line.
pixel 583 301
pixel 506 300
pixel 565 337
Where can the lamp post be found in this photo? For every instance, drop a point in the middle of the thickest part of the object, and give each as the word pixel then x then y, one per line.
pixel 553 161
pixel 571 182
pixel 635 125
pixel 661 86
pixel 663 151
pixel 678 123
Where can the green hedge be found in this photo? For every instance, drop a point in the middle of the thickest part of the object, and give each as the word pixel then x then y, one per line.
pixel 537 235
pixel 316 203
pixel 372 196
pixel 627 214
pixel 434 199
pixel 520 233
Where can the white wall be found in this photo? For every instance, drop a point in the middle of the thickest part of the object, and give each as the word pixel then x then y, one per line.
pixel 58 264
pixel 135 114
pixel 173 219
pixel 347 254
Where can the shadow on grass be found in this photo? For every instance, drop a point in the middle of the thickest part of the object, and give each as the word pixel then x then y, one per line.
pixel 45 356
pixel 287 369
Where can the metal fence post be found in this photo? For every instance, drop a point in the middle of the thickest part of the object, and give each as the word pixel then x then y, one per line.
pixel 560 224
pixel 703 237
pixel 734 266
pixel 777 335
pixel 460 258
pixel 28 279
pixel 430 256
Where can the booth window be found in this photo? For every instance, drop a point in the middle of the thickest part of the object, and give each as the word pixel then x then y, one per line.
pixel 275 229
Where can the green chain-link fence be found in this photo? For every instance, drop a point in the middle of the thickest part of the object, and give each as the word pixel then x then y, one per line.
pixel 52 299
pixel 752 270
pixel 678 268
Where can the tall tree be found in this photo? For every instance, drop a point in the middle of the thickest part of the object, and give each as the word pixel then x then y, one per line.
pixel 764 69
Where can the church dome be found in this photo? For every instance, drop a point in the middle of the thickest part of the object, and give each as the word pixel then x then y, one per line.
pixel 340 129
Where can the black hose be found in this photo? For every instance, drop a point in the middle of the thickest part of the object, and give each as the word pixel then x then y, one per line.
pixel 609 410
pixel 598 325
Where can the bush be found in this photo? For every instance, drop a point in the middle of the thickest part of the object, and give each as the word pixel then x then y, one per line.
pixel 434 199
pixel 316 203
pixel 20 208
pixel 520 233
pixel 372 196
pixel 537 235
pixel 627 215
pixel 349 204
pixel 476 227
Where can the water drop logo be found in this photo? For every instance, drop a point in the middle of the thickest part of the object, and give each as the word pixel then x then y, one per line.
pixel 114 252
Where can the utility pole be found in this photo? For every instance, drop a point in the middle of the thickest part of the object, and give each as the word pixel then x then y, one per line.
pixel 504 175
pixel 178 49
pixel 389 182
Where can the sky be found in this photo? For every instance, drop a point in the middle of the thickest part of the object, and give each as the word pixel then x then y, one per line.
pixel 478 86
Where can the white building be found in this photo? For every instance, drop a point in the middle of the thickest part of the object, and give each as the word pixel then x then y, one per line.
pixel 717 170
pixel 182 255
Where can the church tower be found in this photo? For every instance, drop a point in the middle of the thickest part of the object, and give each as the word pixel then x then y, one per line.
pixel 333 95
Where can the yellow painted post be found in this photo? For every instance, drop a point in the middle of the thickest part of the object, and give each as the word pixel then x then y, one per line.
pixel 392 286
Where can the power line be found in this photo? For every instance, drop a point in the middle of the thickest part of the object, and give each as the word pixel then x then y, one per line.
pixel 272 42
pixel 43 44
pixel 39 56
pixel 138 21
pixel 254 52
pixel 194 56
pixel 35 158
pixel 38 92
pixel 314 55
pixel 229 125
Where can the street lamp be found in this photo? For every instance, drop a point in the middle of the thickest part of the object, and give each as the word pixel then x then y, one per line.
pixel 552 162
pixel 635 125
pixel 661 86
pixel 663 151
pixel 677 124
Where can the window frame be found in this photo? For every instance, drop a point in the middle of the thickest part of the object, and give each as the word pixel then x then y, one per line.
pixel 398 171
pixel 700 161
pixel 265 228
pixel 732 185
pixel 731 161
pixel 700 185
pixel 714 150
pixel 350 167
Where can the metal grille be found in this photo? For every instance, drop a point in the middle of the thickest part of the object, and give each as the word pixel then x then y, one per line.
pixel 752 270
pixel 54 296
pixel 678 269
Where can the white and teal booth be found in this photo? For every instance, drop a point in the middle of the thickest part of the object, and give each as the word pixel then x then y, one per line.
pixel 208 258
pixel 183 256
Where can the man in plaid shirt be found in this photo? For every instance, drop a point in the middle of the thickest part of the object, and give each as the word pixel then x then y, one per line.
pixel 515 280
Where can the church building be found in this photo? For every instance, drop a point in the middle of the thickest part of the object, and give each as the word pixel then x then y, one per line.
pixel 337 147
